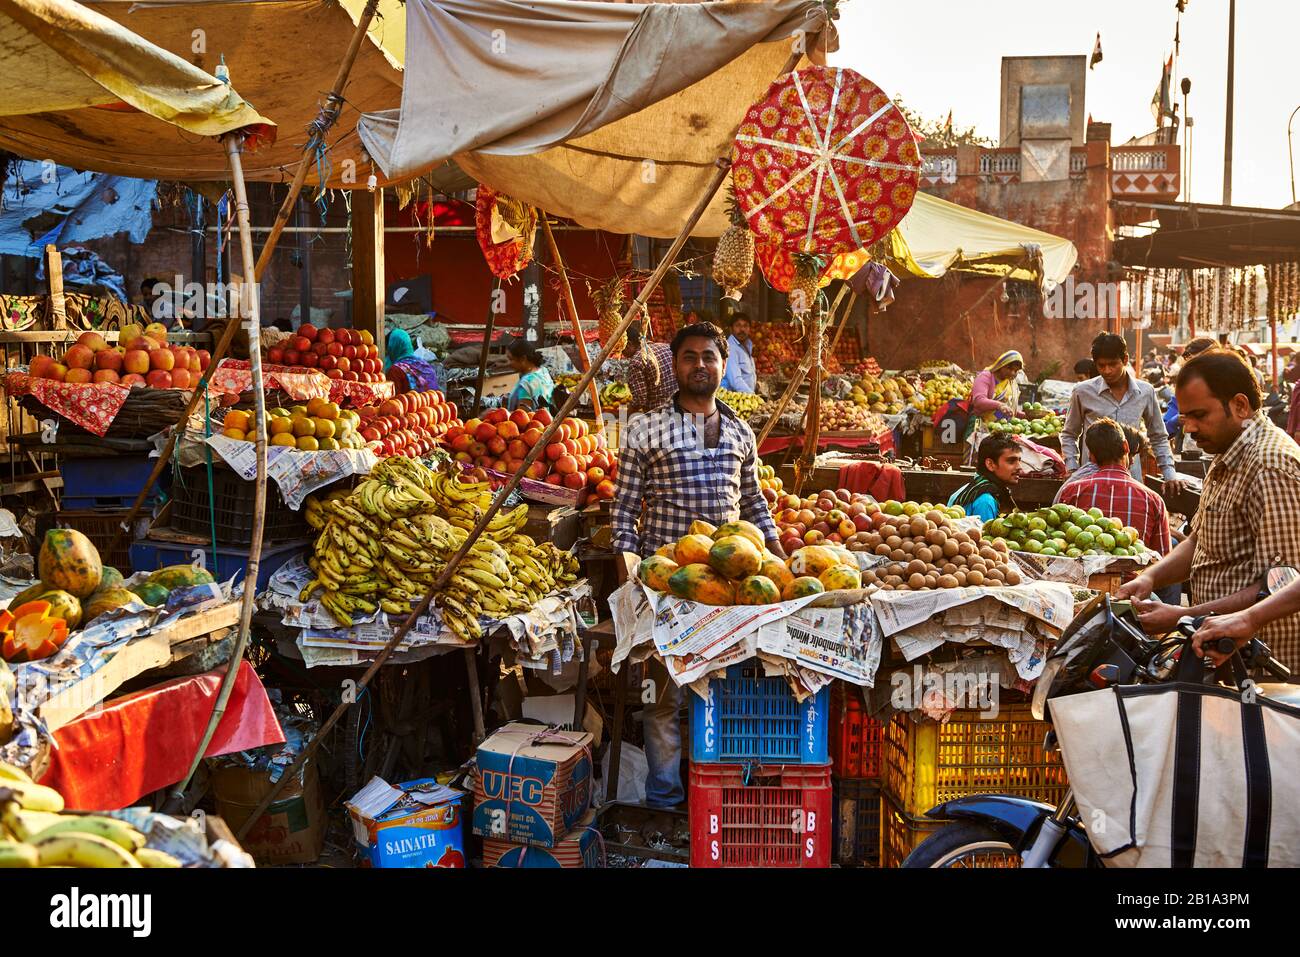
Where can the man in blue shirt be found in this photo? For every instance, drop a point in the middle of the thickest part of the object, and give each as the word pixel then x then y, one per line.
pixel 741 375
pixel 989 494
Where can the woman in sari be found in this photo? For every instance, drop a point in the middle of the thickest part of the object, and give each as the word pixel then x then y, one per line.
pixel 535 386
pixel 995 392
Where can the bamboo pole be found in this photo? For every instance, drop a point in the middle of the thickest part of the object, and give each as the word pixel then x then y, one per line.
pixel 797 379
pixel 803 465
pixel 567 295
pixel 249 298
pixel 723 167
pixel 329 114
pixel 487 346
pixel 219 348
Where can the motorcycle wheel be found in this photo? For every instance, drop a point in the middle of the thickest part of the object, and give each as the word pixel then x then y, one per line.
pixel 963 844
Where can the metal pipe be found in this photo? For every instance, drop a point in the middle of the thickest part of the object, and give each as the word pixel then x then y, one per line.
pixel 1227 118
pixel 1290 156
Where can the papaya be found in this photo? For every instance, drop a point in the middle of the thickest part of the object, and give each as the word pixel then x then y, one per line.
pixel 668 551
pixel 774 569
pixel 701 583
pixel 175 576
pixel 748 529
pixel 700 527
pixel 150 593
pixel 692 549
pixel 62 605
pixel 69 561
pixel 108 600
pixel 736 557
pixel 110 579
pixel 655 571
pixel 804 585
pixel 841 578
pixel 30 593
pixel 757 590
pixel 812 560
pixel 29 632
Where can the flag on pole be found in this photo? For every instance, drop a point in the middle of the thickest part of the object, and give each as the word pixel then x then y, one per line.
pixel 947 124
pixel 1096 53
pixel 1160 103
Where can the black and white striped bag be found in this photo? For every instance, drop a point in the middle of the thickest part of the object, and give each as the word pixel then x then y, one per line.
pixel 1184 775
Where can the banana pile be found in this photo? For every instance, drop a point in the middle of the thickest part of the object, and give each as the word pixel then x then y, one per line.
pixel 33 832
pixel 384 544
pixel 744 404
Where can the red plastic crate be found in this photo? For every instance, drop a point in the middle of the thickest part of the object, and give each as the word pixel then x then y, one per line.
pixel 856 738
pixel 760 815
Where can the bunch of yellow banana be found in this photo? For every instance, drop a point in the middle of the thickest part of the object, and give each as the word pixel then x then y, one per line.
pixel 34 834
pixel 383 546
pixel 314 507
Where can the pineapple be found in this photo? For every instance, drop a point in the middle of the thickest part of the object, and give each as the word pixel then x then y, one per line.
pixel 733 260
pixel 609 304
pixel 803 290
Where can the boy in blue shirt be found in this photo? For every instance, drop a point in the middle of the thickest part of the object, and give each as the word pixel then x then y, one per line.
pixel 989 494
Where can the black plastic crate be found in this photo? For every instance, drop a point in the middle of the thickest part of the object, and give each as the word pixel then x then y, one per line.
pixel 855 831
pixel 231 504
pixel 101 526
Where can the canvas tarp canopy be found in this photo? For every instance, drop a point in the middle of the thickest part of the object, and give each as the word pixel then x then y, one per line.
pixel 936 236
pixel 283 56
pixel 609 114
pixel 60 61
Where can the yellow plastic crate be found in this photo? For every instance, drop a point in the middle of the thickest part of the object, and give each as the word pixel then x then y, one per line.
pixel 902 833
pixel 926 762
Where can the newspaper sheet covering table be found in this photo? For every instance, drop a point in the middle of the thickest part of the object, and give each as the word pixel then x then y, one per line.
pixel 297 474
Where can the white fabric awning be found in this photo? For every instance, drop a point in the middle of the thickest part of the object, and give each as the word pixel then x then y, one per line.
pixel 609 114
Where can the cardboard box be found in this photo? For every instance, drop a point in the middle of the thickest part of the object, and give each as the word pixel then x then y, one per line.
pixel 531 784
pixel 581 847
pixel 292 831
pixel 414 824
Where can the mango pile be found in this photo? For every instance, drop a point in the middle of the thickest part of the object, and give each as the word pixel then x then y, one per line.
pixel 937 392
pixel 887 396
pixel 730 565
pixel 1065 530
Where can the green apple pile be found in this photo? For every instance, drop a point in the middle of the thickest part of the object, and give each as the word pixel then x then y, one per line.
pixel 1063 530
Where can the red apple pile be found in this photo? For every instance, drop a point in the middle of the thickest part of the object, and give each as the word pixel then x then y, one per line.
pixel 574 459
pixel 141 358
pixel 827 516
pixel 409 424
pixel 348 354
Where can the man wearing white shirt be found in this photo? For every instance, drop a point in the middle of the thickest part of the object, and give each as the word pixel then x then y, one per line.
pixel 741 374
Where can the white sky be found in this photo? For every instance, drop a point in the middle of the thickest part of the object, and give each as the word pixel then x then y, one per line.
pixel 946 54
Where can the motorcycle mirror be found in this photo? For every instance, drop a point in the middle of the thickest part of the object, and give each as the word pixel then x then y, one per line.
pixel 1103 676
pixel 1278 577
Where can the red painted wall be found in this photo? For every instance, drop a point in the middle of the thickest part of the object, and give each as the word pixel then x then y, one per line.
pixel 462 284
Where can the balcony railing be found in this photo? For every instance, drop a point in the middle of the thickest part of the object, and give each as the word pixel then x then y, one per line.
pixel 1146 170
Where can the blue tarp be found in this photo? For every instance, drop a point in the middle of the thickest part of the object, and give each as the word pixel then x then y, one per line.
pixel 82 206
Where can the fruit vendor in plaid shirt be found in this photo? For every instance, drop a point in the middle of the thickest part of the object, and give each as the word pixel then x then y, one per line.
pixel 1113 490
pixel 1249 516
pixel 650 376
pixel 692 458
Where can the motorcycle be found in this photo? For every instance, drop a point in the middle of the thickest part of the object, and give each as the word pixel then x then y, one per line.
pixel 1102 647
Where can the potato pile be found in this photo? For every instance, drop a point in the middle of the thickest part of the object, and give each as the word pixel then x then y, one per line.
pixel 927 550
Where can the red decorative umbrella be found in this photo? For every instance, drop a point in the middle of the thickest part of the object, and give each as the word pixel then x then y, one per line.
pixel 825 163
pixel 505 258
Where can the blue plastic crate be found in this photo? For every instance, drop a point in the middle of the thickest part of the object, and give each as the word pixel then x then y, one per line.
pixel 109 482
pixel 750 717
pixel 148 554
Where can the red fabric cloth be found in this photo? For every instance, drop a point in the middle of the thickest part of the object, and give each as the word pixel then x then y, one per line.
pixel 91 405
pixel 1119 496
pixel 885 440
pixel 112 756
pixel 879 480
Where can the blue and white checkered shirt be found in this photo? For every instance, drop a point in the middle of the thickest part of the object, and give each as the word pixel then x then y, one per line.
pixel 668 479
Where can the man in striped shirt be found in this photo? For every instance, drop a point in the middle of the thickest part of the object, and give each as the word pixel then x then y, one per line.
pixel 1113 490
